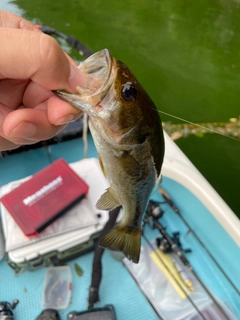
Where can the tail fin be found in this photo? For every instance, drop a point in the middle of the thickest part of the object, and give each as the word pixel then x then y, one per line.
pixel 126 240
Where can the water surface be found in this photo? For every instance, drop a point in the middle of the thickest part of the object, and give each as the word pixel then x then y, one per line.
pixel 185 53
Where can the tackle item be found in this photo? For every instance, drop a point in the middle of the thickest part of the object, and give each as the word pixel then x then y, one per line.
pixel 106 313
pixel 46 196
pixel 128 136
pixel 6 310
pixel 183 275
pixel 72 41
pixel 160 282
pixel 49 314
pixel 57 289
pixel 57 256
pixel 74 234
pixel 175 209
pixel 173 244
pixel 78 270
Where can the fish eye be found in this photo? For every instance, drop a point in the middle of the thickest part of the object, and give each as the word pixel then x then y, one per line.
pixel 129 92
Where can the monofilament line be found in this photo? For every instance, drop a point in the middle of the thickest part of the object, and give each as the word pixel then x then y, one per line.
pixel 198 125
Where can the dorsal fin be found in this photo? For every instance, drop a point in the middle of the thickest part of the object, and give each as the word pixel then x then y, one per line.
pixel 107 201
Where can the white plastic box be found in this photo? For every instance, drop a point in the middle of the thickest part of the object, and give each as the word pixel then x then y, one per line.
pixel 70 233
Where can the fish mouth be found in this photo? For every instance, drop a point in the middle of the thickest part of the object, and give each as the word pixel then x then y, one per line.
pixel 97 70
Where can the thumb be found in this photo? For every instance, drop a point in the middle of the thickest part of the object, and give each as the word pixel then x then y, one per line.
pixel 25 54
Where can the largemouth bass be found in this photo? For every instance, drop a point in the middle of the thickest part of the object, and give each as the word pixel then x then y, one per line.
pixel 127 132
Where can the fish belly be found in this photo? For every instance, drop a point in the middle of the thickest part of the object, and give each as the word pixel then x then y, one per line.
pixel 131 176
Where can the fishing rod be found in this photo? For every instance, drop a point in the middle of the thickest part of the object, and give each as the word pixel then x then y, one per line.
pixel 153 215
pixel 173 276
pixel 72 41
pixel 169 201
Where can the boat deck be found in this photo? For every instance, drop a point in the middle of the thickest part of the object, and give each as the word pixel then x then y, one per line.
pixel 118 287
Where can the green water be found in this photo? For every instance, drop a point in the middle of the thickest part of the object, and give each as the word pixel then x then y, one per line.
pixel 185 53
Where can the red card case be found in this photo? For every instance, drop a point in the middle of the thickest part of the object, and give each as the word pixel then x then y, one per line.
pixel 46 196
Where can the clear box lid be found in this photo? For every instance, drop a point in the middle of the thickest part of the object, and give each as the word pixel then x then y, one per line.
pixel 57 288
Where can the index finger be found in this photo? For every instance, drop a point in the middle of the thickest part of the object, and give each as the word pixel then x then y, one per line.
pixel 36 56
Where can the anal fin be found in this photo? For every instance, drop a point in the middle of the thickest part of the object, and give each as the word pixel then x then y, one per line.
pixel 126 240
pixel 107 201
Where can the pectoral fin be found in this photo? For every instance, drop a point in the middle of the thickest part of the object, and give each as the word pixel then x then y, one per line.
pixel 107 201
pixel 130 165
pixel 101 165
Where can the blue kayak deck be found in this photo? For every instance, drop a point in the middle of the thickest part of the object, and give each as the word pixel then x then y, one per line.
pixel 118 287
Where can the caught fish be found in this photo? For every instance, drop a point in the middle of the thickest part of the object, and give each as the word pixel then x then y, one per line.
pixel 127 132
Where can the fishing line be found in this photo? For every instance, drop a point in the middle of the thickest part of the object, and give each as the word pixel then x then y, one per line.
pixel 180 285
pixel 85 52
pixel 198 125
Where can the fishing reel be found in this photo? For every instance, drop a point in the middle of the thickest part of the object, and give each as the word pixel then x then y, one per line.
pixel 154 211
pixel 6 310
pixel 165 243
pixel 166 247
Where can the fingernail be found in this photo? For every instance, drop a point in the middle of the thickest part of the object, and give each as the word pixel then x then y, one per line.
pixel 76 78
pixel 24 130
pixel 68 118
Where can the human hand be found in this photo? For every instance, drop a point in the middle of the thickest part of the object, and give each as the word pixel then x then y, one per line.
pixel 32 64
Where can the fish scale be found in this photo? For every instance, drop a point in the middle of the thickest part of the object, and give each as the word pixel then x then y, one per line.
pixel 128 136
